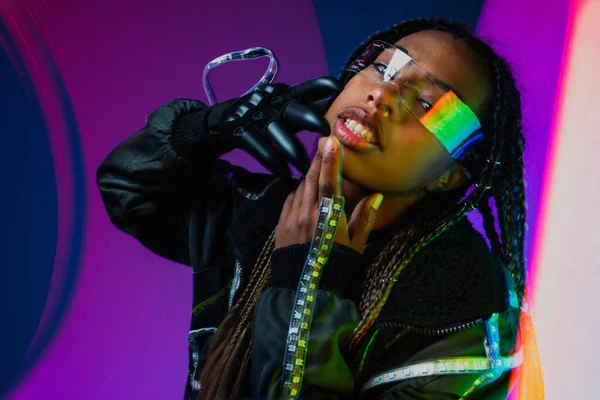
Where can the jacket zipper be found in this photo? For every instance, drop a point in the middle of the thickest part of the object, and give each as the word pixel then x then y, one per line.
pixel 238 260
pixel 428 331
pixel 359 357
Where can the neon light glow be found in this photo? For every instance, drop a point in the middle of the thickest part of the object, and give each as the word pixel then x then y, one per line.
pixel 451 121
pixel 565 261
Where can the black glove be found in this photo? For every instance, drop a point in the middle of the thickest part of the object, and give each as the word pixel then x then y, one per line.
pixel 264 123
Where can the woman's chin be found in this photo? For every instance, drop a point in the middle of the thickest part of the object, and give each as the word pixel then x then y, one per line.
pixel 353 188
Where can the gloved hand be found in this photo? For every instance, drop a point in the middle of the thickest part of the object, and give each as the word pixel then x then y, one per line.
pixel 264 123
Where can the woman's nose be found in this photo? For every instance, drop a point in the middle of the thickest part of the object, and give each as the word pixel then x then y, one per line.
pixel 384 98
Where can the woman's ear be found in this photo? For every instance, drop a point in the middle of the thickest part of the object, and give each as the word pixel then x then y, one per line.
pixel 453 178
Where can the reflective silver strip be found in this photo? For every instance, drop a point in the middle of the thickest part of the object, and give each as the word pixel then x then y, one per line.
pixel 513 298
pixel 492 351
pixel 444 366
pixel 235 284
pixel 196 385
pixel 196 352
pixel 489 368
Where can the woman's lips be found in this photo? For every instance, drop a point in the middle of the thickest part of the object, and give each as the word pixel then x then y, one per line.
pixel 350 139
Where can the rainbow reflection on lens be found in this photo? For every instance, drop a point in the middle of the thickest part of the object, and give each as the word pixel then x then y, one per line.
pixel 454 124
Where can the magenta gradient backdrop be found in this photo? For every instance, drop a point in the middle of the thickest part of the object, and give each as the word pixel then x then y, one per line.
pixel 124 335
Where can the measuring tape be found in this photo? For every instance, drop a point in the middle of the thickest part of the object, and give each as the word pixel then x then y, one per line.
pixel 330 210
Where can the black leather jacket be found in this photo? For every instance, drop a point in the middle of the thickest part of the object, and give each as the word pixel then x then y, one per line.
pixel 448 326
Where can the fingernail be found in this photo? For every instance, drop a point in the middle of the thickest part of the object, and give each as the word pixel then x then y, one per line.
pixel 330 145
pixel 377 202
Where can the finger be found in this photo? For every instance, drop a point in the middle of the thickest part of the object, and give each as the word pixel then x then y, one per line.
pixel 284 217
pixel 311 187
pixel 303 117
pixel 330 182
pixel 240 108
pixel 255 98
pixel 303 214
pixel 312 176
pixel 362 220
pixel 316 89
pixel 274 87
pixel 298 198
pixel 258 147
pixel 341 230
pixel 283 139
pixel 287 206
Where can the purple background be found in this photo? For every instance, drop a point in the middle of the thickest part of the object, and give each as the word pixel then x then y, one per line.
pixel 110 318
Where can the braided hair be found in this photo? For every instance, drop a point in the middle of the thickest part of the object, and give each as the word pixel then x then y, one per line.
pixel 496 169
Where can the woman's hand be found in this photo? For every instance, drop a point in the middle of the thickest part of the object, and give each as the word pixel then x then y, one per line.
pixel 264 122
pixel 324 179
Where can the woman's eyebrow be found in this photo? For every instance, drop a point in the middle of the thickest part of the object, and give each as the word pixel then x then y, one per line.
pixel 443 85
pixel 404 49
pixel 438 82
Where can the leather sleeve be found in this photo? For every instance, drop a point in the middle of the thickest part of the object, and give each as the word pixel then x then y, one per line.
pixel 157 180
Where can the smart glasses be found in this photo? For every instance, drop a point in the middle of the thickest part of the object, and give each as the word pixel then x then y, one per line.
pixel 437 107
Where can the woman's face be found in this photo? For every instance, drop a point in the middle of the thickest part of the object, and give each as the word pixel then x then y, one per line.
pixel 407 156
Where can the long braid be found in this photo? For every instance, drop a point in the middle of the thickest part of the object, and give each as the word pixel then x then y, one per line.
pixel 489 224
pixel 499 118
pixel 265 274
pixel 511 192
pixel 217 379
pixel 508 181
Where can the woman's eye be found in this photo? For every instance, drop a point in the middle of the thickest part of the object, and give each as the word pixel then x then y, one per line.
pixel 380 67
pixel 426 106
